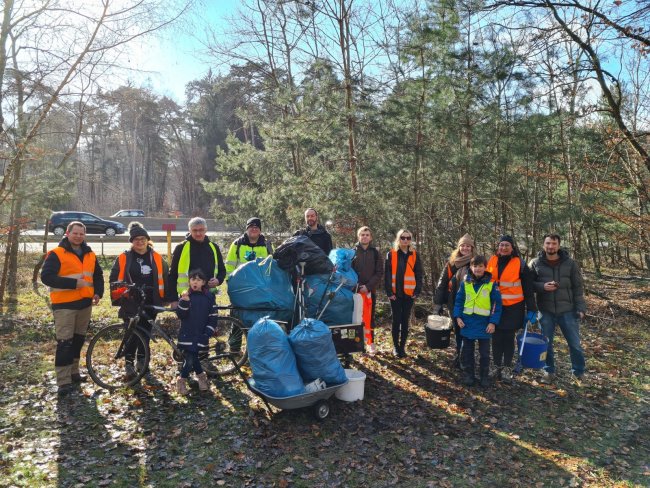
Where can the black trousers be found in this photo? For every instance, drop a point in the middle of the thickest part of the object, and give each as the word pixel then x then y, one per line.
pixel 401 309
pixel 468 354
pixel 503 347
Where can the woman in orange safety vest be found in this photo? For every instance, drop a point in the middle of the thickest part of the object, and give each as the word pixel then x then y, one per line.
pixel 515 282
pixel 403 282
pixel 143 266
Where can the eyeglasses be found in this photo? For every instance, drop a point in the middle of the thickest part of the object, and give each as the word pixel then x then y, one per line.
pixel 405 238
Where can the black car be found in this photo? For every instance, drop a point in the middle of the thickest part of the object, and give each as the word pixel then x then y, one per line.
pixel 94 225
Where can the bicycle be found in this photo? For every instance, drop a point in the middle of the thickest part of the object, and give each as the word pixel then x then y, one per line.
pixel 119 356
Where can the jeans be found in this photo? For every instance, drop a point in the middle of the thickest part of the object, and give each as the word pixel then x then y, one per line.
pixel 570 328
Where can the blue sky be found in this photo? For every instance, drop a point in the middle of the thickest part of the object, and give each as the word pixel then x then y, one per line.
pixel 172 59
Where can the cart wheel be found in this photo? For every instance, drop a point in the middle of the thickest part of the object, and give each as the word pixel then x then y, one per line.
pixel 321 409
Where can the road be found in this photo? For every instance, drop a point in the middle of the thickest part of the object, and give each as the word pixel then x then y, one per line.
pixel 113 246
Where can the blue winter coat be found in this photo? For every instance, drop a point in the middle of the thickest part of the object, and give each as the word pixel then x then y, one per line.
pixel 198 320
pixel 475 325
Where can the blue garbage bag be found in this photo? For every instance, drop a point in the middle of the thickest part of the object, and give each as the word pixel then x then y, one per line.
pixel 317 290
pixel 313 346
pixel 272 360
pixel 261 284
pixel 342 259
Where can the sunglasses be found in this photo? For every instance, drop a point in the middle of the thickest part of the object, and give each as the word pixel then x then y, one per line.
pixel 405 238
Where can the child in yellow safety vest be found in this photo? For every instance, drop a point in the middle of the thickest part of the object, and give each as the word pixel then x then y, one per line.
pixel 477 312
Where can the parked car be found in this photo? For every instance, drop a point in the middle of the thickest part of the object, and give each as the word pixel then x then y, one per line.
pixel 129 213
pixel 94 225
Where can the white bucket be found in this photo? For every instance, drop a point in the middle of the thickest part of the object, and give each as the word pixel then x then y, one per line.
pixel 438 322
pixel 353 390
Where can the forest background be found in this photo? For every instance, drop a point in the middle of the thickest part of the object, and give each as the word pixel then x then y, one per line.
pixel 442 116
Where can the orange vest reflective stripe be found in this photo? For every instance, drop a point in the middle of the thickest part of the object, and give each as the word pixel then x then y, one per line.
pixel 157 259
pixel 73 267
pixel 510 280
pixel 409 272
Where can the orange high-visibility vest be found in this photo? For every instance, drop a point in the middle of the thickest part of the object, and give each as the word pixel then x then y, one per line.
pixel 367 316
pixel 449 276
pixel 73 267
pixel 159 267
pixel 510 280
pixel 409 272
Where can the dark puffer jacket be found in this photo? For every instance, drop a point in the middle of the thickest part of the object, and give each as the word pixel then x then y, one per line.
pixel 198 320
pixel 570 296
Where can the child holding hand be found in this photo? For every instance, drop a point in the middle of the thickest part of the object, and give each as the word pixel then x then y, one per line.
pixel 198 314
pixel 477 312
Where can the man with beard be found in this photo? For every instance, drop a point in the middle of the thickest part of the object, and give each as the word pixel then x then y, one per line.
pixel 315 231
pixel 560 299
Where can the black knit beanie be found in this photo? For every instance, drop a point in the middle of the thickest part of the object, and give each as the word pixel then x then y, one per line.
pixel 136 230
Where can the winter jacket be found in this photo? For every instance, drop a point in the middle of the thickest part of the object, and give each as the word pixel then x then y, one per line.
pixel 475 325
pixel 320 237
pixel 402 259
pixel 239 248
pixel 201 257
pixel 50 277
pixel 570 295
pixel 198 320
pixel 447 286
pixel 133 274
pixel 369 266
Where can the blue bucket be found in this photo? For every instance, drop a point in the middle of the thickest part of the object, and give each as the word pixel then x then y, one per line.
pixel 534 353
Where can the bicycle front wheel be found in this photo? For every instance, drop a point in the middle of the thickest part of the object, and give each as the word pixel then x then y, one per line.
pixel 117 357
pixel 229 338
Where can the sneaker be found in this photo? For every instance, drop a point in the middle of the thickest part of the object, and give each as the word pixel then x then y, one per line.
pixel 506 374
pixel 396 352
pixel 181 386
pixel 402 352
pixel 577 379
pixel 547 378
pixel 78 378
pixel 204 384
pixel 372 349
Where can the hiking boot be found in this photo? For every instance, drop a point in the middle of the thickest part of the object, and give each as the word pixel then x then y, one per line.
pixel 64 390
pixel 468 378
pixel 485 377
pixel 402 352
pixel 506 374
pixel 181 386
pixel 204 384
pixel 396 352
pixel 547 378
pixel 78 378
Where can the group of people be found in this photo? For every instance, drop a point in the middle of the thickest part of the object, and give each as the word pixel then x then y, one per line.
pixel 487 299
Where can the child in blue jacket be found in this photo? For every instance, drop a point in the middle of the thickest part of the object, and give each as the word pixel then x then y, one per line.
pixel 198 314
pixel 477 312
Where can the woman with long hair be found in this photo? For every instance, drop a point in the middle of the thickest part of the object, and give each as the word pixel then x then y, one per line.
pixel 403 282
pixel 453 274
